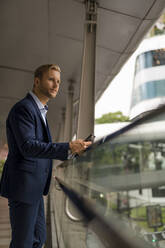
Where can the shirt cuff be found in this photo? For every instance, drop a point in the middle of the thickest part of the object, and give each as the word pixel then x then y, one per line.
pixel 70 155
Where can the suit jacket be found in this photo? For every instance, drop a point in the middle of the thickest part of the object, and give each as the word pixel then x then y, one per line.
pixel 27 171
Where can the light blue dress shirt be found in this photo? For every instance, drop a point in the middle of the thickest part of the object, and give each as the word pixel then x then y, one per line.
pixel 42 108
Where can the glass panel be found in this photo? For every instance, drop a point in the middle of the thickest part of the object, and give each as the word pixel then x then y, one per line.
pixel 124 177
pixel 127 179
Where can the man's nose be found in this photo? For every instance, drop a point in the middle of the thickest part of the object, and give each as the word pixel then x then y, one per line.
pixel 55 85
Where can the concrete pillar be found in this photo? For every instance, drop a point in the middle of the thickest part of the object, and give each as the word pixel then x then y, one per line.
pixel 69 113
pixel 61 136
pixel 87 88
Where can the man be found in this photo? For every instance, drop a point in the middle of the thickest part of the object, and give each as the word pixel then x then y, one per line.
pixel 27 172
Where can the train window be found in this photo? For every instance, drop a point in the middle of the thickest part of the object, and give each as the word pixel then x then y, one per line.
pixel 148 90
pixel 158 57
pixel 150 59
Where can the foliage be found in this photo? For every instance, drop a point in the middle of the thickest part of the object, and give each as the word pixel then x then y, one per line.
pixel 159 27
pixel 140 213
pixel 112 117
pixel 158 31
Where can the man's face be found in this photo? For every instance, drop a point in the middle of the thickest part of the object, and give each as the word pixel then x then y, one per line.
pixel 49 84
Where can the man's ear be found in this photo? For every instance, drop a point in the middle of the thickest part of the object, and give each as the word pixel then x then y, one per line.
pixel 36 81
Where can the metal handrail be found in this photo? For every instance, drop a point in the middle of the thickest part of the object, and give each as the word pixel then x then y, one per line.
pixel 67 211
pixel 69 214
pixel 140 120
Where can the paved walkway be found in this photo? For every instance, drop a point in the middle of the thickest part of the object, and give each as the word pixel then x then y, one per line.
pixel 5 231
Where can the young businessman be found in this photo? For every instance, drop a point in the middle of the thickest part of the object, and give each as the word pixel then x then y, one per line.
pixel 27 171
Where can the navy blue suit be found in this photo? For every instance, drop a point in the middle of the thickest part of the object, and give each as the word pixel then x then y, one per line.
pixel 27 171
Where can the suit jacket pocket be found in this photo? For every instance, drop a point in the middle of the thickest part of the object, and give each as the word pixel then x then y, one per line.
pixel 27 166
pixel 23 165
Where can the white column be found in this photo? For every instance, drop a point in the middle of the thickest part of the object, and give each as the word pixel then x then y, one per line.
pixel 61 136
pixel 69 113
pixel 87 88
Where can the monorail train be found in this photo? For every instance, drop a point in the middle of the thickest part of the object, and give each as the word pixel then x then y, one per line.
pixel 149 78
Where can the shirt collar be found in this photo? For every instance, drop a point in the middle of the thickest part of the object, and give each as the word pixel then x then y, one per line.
pixel 38 102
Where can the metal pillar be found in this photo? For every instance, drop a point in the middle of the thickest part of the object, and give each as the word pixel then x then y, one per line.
pixel 69 113
pixel 61 136
pixel 87 88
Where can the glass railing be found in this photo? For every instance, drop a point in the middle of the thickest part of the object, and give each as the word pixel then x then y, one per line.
pixel 118 185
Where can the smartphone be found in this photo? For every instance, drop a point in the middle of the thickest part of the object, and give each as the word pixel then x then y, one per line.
pixel 90 138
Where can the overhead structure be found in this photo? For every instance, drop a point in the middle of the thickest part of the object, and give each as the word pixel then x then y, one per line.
pixel 49 31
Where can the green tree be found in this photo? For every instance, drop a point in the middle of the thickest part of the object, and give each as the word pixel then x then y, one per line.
pixel 112 117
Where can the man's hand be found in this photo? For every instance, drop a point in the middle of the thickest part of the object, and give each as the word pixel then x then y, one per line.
pixel 78 146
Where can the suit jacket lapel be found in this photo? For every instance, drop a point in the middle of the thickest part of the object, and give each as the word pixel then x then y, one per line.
pixel 39 113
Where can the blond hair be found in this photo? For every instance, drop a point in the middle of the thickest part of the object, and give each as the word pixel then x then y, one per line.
pixel 44 68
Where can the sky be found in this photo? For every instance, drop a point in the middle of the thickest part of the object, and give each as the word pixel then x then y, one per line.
pixel 117 96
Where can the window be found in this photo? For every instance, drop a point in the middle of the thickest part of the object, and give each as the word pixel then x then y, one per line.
pixel 150 59
pixel 149 90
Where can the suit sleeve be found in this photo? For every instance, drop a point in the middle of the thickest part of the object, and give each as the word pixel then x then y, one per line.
pixel 22 123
